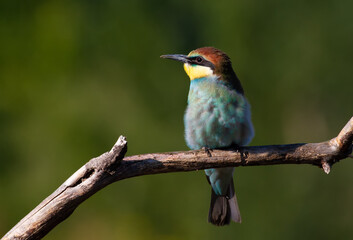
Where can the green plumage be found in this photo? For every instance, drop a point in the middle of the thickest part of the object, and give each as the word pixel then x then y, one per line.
pixel 217 116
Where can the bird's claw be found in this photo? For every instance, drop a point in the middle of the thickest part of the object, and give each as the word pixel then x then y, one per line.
pixel 207 151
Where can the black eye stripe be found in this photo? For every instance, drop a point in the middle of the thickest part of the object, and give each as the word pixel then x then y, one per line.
pixel 198 60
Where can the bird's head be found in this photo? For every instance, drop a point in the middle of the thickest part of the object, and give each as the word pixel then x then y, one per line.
pixel 207 62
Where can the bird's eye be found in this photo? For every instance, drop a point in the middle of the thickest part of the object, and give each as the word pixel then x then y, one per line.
pixel 198 59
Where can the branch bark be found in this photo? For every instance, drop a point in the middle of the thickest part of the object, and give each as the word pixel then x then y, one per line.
pixel 112 166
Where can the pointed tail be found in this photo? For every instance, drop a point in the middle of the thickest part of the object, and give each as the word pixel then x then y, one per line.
pixel 224 208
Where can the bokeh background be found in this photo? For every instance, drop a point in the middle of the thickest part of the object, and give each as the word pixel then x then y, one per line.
pixel 74 75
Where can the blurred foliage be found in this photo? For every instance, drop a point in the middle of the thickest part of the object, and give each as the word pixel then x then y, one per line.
pixel 74 75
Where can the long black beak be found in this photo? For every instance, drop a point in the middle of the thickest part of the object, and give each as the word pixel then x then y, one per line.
pixel 177 57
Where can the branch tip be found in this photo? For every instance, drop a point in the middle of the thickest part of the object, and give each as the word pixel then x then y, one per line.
pixel 121 142
pixel 326 167
pixel 345 137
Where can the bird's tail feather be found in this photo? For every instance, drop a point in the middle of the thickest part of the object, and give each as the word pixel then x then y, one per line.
pixel 224 208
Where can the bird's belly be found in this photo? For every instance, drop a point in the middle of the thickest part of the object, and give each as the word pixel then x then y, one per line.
pixel 210 125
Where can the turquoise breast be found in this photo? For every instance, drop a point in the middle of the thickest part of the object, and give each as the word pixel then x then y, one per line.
pixel 215 114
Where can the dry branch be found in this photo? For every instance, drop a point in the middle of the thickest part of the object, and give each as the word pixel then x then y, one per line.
pixel 112 166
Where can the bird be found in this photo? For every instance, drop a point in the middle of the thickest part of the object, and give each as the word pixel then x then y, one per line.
pixel 217 116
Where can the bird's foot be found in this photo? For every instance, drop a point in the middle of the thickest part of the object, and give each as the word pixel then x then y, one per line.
pixel 207 151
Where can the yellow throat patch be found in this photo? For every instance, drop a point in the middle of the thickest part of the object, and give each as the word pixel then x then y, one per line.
pixel 197 71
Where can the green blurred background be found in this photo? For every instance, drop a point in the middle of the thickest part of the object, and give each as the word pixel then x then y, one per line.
pixel 74 75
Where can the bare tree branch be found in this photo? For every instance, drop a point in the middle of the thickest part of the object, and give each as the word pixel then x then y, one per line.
pixel 112 166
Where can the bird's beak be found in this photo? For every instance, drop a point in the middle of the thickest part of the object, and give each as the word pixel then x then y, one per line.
pixel 177 57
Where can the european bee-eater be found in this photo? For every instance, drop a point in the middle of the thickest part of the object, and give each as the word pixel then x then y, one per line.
pixel 217 116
